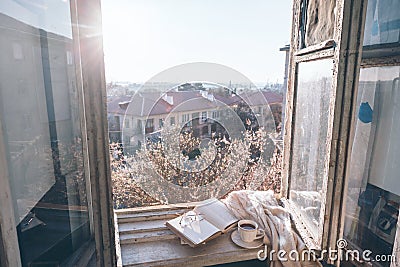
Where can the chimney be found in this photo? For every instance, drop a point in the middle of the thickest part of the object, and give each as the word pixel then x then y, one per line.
pixel 124 105
pixel 169 99
pixel 207 95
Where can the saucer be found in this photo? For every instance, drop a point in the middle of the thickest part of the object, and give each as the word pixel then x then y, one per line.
pixel 235 236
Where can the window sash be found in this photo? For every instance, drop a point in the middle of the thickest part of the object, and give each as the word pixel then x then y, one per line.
pixel 350 17
pixel 89 66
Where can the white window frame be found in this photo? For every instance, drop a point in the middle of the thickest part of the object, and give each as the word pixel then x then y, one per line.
pixel 172 120
pixel 204 116
pixel 185 118
pixel 150 123
pixel 215 114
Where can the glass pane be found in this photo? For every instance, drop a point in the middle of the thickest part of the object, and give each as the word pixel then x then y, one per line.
pixel 41 120
pixel 317 22
pixel 382 24
pixel 310 138
pixel 372 204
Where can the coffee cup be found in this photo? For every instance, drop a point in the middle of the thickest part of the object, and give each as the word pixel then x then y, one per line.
pixel 248 231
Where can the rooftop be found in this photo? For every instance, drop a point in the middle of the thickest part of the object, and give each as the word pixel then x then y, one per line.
pixel 156 103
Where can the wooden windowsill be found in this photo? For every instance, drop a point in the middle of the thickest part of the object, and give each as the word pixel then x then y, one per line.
pixel 146 241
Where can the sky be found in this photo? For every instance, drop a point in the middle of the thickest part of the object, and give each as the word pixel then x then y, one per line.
pixel 145 37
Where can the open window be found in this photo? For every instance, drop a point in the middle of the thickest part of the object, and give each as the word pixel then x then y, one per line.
pixel 53 155
pixel 324 59
pixel 341 142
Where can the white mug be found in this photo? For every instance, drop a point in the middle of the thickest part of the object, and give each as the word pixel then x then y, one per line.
pixel 248 230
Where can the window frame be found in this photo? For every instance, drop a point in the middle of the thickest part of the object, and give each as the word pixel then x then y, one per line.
pixel 203 116
pixel 396 246
pixel 126 122
pixel 215 114
pixel 345 50
pixel 9 246
pixel 185 117
pixel 91 88
pixel 89 43
pixel 149 123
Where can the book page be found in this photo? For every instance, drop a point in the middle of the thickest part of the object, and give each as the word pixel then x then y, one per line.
pixel 197 231
pixel 216 213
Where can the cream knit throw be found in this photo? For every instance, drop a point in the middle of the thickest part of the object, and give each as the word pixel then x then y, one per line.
pixel 262 207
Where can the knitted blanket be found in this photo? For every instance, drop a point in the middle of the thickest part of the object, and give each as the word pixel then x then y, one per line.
pixel 263 207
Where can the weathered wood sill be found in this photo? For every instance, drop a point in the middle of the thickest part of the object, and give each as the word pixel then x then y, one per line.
pixel 146 241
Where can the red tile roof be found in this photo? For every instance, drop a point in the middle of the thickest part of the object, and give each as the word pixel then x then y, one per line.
pixel 153 103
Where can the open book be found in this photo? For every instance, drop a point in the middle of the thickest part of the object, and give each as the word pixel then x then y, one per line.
pixel 206 221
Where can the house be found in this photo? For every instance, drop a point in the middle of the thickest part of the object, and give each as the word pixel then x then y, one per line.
pixel 132 119
pixel 116 109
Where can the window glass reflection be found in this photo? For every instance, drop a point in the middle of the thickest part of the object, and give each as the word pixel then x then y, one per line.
pixel 41 124
pixel 382 24
pixel 373 192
